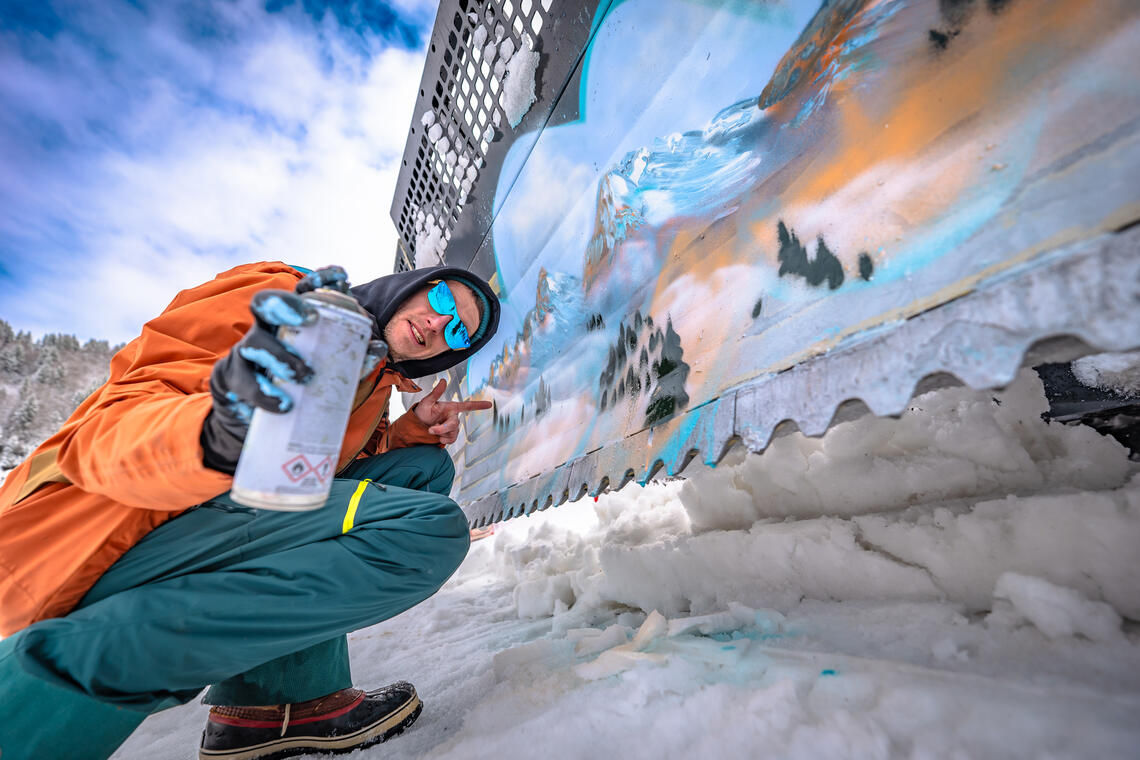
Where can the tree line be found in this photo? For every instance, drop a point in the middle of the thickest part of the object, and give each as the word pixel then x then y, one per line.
pixel 41 383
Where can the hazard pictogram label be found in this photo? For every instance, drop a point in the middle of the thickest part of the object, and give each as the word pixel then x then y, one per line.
pixel 297 468
pixel 323 469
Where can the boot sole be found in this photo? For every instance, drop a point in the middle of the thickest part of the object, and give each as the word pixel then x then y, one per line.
pixel 392 725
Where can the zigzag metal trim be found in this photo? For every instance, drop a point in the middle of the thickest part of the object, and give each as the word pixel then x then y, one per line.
pixel 1082 298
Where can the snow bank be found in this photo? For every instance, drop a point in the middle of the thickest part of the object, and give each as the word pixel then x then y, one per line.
pixel 952 444
pixel 901 523
pixel 1087 541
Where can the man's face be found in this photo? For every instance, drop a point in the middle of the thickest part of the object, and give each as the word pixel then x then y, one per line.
pixel 415 331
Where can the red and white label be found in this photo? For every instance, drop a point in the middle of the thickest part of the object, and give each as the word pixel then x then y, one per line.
pixel 297 468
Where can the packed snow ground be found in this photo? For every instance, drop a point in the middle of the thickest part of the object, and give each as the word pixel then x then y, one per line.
pixel 963 582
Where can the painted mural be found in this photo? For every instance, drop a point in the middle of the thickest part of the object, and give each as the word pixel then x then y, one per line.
pixel 753 183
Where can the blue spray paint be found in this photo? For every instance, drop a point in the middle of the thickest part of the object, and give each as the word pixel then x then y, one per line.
pixel 268 362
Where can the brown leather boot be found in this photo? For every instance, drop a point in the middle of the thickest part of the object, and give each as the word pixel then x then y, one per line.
pixel 343 721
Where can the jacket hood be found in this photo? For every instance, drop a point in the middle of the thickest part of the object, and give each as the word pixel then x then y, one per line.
pixel 384 295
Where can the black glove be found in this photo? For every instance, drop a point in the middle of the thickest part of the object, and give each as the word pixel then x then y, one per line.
pixel 243 379
pixel 333 278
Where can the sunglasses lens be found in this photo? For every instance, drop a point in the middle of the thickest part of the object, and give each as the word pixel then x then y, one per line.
pixel 457 338
pixel 443 302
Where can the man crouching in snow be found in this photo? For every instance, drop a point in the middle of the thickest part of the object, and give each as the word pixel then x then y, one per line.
pixel 129 580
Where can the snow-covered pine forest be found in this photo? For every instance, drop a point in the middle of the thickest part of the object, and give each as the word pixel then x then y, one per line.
pixel 41 383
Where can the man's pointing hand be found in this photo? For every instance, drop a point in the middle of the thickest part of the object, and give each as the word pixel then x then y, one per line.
pixel 443 416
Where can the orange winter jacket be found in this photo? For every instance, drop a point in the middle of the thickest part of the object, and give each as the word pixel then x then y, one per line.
pixel 129 459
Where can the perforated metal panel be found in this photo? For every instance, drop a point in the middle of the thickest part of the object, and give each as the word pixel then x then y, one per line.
pixel 460 130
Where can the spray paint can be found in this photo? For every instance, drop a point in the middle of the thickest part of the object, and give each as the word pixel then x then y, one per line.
pixel 288 460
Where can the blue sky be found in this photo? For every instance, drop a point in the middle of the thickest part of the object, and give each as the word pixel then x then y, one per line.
pixel 146 146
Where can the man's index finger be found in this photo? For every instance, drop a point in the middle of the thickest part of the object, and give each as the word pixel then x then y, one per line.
pixel 469 406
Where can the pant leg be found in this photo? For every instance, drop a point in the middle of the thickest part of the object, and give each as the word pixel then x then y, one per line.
pixel 292 581
pixel 41 719
pixel 324 668
pixel 297 677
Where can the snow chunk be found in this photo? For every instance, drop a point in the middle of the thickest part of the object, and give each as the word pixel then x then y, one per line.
pixel 518 84
pixel 625 656
pixel 735 618
pixel 596 641
pixel 435 132
pixel 480 37
pixel 507 48
pixel 614 661
pixel 1055 610
pixel 652 629
pixel 429 247
pixel 428 118
pixel 1113 372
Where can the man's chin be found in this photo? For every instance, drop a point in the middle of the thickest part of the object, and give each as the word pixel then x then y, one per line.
pixel 395 355
pixel 394 352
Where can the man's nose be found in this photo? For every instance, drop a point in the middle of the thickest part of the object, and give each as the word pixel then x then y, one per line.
pixel 437 322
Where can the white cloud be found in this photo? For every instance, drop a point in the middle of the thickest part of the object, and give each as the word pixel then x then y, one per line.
pixel 285 146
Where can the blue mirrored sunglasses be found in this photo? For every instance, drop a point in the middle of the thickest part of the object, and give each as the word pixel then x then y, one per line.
pixel 443 301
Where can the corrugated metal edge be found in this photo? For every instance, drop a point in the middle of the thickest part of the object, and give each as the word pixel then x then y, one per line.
pixel 1081 299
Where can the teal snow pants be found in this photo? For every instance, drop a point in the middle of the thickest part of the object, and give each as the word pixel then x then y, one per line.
pixel 255 602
